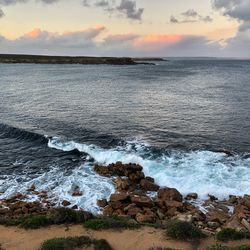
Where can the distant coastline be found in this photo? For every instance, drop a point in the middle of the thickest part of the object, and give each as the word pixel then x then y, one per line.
pixel 39 59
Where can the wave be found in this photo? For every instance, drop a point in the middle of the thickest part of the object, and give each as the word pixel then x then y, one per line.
pixel 21 134
pixel 204 172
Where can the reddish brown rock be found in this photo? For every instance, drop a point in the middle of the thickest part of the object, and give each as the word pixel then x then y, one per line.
pixel 77 193
pixel 116 205
pixel 144 218
pixel 65 203
pixel 122 184
pixel 119 197
pixel 142 201
pixel 175 204
pixel 148 185
pixel 102 203
pixel 169 194
pixel 134 211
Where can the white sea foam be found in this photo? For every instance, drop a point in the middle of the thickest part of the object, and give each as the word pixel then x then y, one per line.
pixel 60 186
pixel 204 172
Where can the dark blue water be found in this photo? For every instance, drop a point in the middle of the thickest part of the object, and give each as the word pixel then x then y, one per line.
pixel 173 110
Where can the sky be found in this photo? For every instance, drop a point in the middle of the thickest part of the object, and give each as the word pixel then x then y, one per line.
pixel 218 28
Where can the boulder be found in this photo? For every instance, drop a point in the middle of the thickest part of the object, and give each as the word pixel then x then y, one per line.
pixel 102 203
pixel 245 223
pixel 134 211
pixel 141 201
pixel 65 203
pixel 175 204
pixel 169 194
pixel 119 197
pixel 122 184
pixel 191 196
pixel 144 218
pixel 148 185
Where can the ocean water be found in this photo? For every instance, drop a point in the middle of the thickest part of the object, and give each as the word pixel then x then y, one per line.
pixel 174 118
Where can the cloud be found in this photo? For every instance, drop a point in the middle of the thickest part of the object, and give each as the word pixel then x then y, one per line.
pixel 1 13
pixel 190 16
pixel 190 13
pixel 39 41
pixel 239 10
pixel 173 19
pixel 127 8
pixel 93 42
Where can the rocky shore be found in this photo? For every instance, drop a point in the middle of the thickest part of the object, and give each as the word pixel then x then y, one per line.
pixel 38 59
pixel 132 200
pixel 140 199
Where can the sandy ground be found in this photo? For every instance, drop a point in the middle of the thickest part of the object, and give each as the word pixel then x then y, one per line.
pixel 13 238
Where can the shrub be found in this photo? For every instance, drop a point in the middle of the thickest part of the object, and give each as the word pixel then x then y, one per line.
pixel 109 222
pixel 65 215
pixel 71 243
pixel 182 230
pixel 36 221
pixel 232 234
pixel 219 247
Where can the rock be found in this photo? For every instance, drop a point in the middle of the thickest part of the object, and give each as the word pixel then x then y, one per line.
pixel 136 177
pixel 66 203
pixel 116 205
pixel 232 199
pixel 217 216
pixel 245 223
pixel 32 188
pixel 108 210
pixel 142 201
pixel 175 204
pixel 144 218
pixel 102 170
pixel 234 223
pixel 191 196
pixel 134 211
pixel 171 212
pixel 118 197
pixel 122 184
pixel 213 224
pixel 75 207
pixel 212 198
pixel 148 185
pixel 150 179
pixel 102 203
pixel 184 217
pixel 160 214
pixel 132 205
pixel 169 194
pixel 77 193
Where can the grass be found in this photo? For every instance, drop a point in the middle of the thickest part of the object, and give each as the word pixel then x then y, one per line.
pixel 72 243
pixel 58 216
pixel 180 230
pixel 220 247
pixel 110 222
pixel 232 234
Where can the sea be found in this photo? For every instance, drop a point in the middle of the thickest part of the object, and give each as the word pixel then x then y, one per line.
pixel 185 120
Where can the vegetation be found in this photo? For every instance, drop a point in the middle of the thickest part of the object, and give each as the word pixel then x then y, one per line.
pixel 58 216
pixel 72 243
pixel 110 222
pixel 182 230
pixel 219 247
pixel 232 234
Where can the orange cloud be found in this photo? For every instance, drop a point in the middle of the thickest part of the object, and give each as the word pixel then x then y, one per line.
pixel 156 42
pixel 34 33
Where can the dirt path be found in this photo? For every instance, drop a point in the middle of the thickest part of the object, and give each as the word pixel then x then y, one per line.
pixel 13 238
